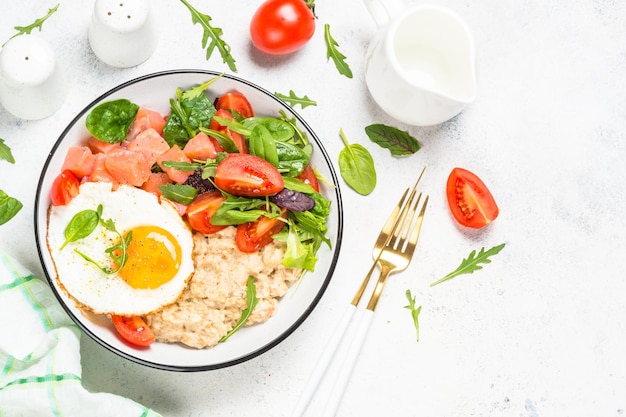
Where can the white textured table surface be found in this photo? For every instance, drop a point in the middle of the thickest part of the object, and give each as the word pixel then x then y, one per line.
pixel 541 331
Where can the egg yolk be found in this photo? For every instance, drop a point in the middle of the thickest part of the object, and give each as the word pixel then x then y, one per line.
pixel 154 257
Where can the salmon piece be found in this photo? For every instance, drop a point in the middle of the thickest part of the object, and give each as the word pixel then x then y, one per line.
pixel 153 182
pixel 100 172
pixel 146 119
pixel 200 147
pixel 80 161
pixel 150 143
pixel 174 154
pixel 100 146
pixel 128 167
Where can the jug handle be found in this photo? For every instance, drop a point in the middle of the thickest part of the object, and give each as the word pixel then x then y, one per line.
pixel 378 12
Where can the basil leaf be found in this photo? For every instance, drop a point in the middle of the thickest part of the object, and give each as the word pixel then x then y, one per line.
pixel 251 302
pixel 9 207
pixel 356 166
pixel 180 193
pixel 81 225
pixel 5 152
pixel 110 121
pixel 397 141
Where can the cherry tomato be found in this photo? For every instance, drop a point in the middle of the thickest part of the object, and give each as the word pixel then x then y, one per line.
pixel 64 188
pixel 252 236
pixel 282 26
pixel 308 177
pixel 235 102
pixel 238 139
pixel 202 209
pixel 248 176
pixel 134 330
pixel 470 201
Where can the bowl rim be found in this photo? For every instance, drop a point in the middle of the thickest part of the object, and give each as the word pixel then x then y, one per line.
pixel 254 353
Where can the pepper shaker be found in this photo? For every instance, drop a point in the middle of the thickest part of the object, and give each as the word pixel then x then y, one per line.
pixel 122 33
pixel 32 85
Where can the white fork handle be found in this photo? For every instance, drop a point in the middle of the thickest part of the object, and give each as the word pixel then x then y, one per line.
pixel 364 322
pixel 324 361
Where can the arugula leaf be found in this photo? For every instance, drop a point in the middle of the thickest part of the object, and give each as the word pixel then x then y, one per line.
pixel 110 121
pixel 251 302
pixel 180 193
pixel 81 225
pixel 332 52
pixel 356 166
pixel 471 263
pixel 5 152
pixel 37 24
pixel 397 141
pixel 215 34
pixel 415 313
pixel 9 207
pixel 292 99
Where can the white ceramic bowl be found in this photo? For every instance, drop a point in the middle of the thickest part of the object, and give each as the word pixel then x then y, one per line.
pixel 154 91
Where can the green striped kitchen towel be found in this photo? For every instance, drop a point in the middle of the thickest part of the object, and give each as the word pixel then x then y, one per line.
pixel 40 372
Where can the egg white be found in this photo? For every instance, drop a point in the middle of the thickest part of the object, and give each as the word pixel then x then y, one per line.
pixel 128 207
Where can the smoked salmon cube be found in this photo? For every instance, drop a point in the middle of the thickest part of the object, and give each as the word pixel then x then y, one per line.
pixel 100 172
pixel 200 147
pixel 153 182
pixel 128 167
pixel 174 154
pixel 80 160
pixel 150 143
pixel 146 119
pixel 100 146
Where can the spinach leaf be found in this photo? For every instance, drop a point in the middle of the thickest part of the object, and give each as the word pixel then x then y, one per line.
pixel 81 225
pixel 190 111
pixel 397 141
pixel 180 193
pixel 110 121
pixel 9 207
pixel 263 145
pixel 291 159
pixel 251 302
pixel 356 166
pixel 5 152
pixel 280 129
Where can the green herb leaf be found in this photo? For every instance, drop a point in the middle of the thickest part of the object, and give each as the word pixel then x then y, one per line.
pixel 180 193
pixel 471 263
pixel 356 166
pixel 181 165
pixel 397 141
pixel 38 23
pixel 292 99
pixel 215 34
pixel 191 111
pixel 415 313
pixel 5 152
pixel 82 225
pixel 332 52
pixel 9 207
pixel 110 121
pixel 251 302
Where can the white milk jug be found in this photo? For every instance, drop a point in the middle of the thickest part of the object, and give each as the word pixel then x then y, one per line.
pixel 420 65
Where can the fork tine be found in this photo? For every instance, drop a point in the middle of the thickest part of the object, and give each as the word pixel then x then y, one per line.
pixel 415 233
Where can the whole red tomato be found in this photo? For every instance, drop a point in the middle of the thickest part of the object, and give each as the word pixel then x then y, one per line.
pixel 282 26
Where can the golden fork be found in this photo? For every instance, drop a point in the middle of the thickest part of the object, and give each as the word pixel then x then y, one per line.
pixel 397 216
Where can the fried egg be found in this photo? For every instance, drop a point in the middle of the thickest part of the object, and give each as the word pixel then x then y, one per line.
pixel 159 255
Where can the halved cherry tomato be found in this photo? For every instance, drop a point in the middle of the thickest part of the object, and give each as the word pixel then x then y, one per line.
pixel 307 176
pixel 64 188
pixel 202 209
pixel 282 26
pixel 235 103
pixel 253 236
pixel 239 140
pixel 134 330
pixel 470 201
pixel 248 176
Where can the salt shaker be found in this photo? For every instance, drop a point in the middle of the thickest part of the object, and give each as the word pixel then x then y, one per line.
pixel 122 33
pixel 32 85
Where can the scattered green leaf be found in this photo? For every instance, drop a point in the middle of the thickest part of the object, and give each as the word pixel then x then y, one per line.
pixel 415 312
pixel 471 263
pixel 251 301
pixel 215 34
pixel 110 121
pixel 9 207
pixel 398 142
pixel 81 225
pixel 5 152
pixel 292 99
pixel 37 24
pixel 332 52
pixel 356 166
